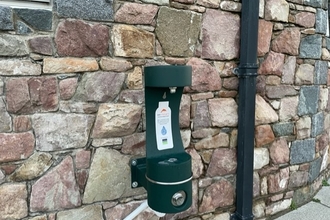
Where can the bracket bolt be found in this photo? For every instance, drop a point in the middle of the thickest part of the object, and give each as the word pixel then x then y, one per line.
pixel 172 89
pixel 235 71
pixel 179 198
pixel 135 184
pixel 134 162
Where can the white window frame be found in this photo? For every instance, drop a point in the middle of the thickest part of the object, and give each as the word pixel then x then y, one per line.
pixel 33 4
pixel 327 34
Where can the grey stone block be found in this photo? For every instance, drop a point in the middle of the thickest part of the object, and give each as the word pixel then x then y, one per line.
pixel 317 3
pixel 175 41
pixel 321 72
pixel 301 196
pixel 310 47
pixel 317 124
pixel 283 129
pixel 308 100
pixel 202 118
pixel 327 42
pixel 2 84
pixel 22 28
pixel 6 19
pixel 96 10
pixel 302 151
pixel 321 21
pixel 6 120
pixel 314 169
pixel 38 19
pixel 12 46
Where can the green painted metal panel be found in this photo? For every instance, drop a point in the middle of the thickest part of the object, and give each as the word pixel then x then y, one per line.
pixel 167 169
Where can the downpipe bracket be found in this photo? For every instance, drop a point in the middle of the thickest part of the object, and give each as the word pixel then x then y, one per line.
pixel 246 70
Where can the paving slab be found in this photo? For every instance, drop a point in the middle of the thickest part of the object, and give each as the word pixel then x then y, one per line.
pixel 324 196
pixel 311 210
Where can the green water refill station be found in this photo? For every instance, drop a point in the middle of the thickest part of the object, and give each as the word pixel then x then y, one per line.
pixel 165 172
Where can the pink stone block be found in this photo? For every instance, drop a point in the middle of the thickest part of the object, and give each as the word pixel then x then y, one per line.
pixel 56 190
pixel 83 159
pixel 14 147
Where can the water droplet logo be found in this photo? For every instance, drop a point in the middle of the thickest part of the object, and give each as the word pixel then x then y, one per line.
pixel 164 131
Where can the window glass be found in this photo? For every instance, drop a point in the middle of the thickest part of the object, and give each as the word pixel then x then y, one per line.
pixel 45 4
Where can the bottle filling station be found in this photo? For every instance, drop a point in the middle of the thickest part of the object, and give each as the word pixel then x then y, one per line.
pixel 165 172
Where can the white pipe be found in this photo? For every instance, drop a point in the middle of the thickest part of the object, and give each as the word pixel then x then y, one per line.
pixel 141 208
pixel 137 211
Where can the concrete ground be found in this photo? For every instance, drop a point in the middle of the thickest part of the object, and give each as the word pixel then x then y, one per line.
pixel 317 209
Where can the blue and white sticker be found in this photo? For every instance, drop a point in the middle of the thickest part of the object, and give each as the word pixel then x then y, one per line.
pixel 163 126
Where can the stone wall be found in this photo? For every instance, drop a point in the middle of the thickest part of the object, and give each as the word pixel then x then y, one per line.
pixel 72 104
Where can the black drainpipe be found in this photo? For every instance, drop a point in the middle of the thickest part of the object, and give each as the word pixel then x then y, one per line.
pixel 247 72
